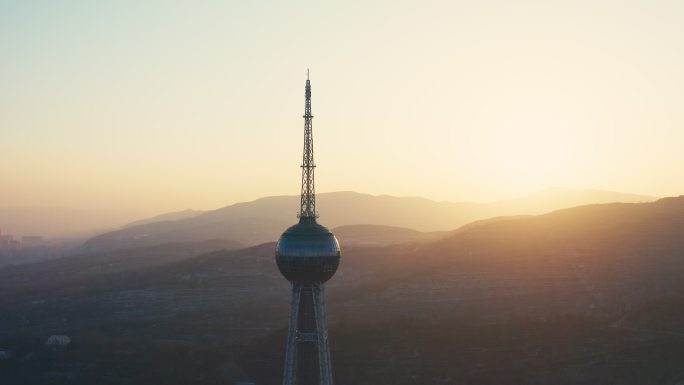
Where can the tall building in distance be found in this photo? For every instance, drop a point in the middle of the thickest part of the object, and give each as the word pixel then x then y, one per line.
pixel 307 255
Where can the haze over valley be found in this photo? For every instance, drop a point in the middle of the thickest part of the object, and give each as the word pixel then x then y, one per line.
pixel 588 270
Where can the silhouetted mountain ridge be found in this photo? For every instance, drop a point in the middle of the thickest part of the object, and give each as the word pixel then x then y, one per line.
pixel 658 224
pixel 378 235
pixel 173 216
pixel 264 219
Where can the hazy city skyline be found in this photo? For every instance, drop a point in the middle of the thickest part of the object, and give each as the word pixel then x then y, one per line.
pixel 155 107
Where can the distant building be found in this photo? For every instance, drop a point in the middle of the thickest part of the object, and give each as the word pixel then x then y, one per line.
pixel 31 240
pixel 8 242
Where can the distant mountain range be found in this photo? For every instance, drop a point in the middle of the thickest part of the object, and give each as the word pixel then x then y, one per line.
pixel 609 255
pixel 264 219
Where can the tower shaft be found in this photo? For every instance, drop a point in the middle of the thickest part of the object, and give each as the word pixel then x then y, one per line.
pixel 307 354
pixel 307 210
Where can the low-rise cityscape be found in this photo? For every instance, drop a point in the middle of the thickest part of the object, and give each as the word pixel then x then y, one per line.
pixel 21 249
pixel 8 242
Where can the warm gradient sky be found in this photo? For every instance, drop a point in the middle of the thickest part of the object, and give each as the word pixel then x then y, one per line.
pixel 156 106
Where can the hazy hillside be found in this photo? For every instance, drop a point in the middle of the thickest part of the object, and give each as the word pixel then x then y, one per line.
pixel 377 235
pixel 595 290
pixel 596 259
pixel 263 220
pixel 615 228
pixel 174 216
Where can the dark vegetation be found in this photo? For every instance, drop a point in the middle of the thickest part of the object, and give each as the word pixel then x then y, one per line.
pixel 590 295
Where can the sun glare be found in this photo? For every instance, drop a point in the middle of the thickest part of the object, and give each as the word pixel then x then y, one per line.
pixel 533 149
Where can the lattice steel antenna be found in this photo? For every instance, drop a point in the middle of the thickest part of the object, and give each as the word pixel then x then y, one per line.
pixel 307 209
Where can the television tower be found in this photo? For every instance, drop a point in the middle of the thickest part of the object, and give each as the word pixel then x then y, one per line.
pixel 307 254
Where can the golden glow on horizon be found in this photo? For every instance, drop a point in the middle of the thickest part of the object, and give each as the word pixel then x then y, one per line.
pixel 158 107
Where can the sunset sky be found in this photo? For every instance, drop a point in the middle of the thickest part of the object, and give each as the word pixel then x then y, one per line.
pixel 156 106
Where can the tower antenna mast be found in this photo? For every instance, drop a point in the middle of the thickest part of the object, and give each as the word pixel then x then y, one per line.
pixel 307 209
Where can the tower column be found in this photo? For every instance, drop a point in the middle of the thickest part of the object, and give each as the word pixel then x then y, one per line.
pixel 322 334
pixel 307 337
pixel 291 348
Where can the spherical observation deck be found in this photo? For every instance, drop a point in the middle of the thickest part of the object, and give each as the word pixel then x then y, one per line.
pixel 307 252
